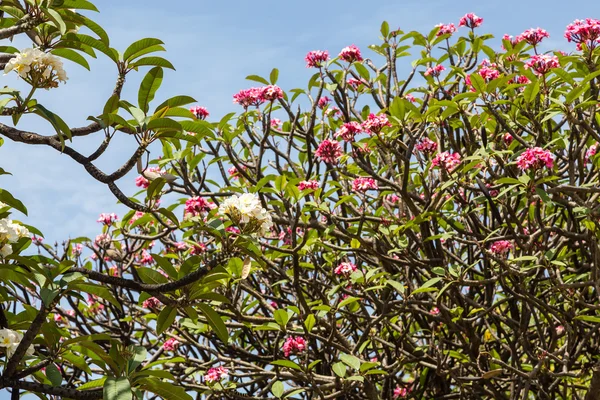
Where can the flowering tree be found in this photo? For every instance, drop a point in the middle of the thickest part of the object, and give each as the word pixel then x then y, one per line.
pixel 366 236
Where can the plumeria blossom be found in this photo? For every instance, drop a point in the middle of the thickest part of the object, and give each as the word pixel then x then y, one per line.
pixel 107 219
pixel 345 268
pixel 446 160
pixel 512 40
pixel 375 123
pixel 533 36
pixel 316 58
pixel 400 392
pixel 171 344
pixel 348 131
pixel 303 185
pixel 38 68
pixel 591 152
pixel 541 64
pixel 275 122
pixel 501 247
pixel 247 212
pixel 507 138
pixel 271 93
pixel 362 184
pixel 350 54
pixel 151 302
pixel 10 232
pixel 293 344
pixel 470 20
pixel 535 158
pixel 584 32
pixel 445 29
pixel 10 340
pixel 427 146
pixel 435 71
pixel 249 97
pixel 329 151
pixel 197 205
pixel 200 112
pixel 77 249
pixel 354 83
pixel 215 374
pixel 323 102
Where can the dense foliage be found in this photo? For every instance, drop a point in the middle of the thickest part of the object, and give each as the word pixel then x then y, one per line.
pixel 368 236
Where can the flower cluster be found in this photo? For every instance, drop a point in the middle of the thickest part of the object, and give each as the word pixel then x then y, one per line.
pixel 151 302
pixel 107 219
pixel 215 374
pixel 501 247
pixel 10 340
pixel 541 64
pixel 271 93
pixel 257 95
pixel 247 212
pixel 375 123
pixel 196 205
pixel 316 58
pixel 435 71
pixel 293 345
pixel 535 158
pixel 427 146
pixel 329 151
pixel 445 29
pixel 591 152
pixel 446 160
pixel 10 232
pixel 303 185
pixel 345 268
pixel 323 101
pixel 199 112
pixel 470 20
pixel 584 32
pixel 171 344
pixel 148 174
pixel 533 36
pixel 400 392
pixel 348 130
pixel 362 184
pixel 38 68
pixel 350 54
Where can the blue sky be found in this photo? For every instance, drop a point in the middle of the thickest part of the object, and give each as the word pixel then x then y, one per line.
pixel 214 45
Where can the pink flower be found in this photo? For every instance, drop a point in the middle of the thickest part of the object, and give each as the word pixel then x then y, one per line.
pixel 488 70
pixel 195 206
pixel 348 130
pixel 355 83
pixel 233 230
pixel 513 41
pixel 350 54
pixel 435 71
pixel 199 112
pixel 345 268
pixel 535 158
pixel 400 392
pixel 151 302
pixel 427 146
pixel 507 138
pixel 293 345
pixel 446 160
pixel 470 20
pixel 591 152
pixel 533 36
pixel 142 182
pixel 102 240
pixel 171 344
pixel 445 29
pixel 107 219
pixel 329 151
pixel 38 241
pixel 410 97
pixel 275 122
pixel 77 249
pixel 58 318
pixel 560 330
pixel 434 311
pixel 215 374
pixel 584 32
pixel 375 123
pixel 271 93
pixel 198 248
pixel 181 246
pixel 323 101
pixel 303 185
pixel 316 58
pixel 136 216
pixel 541 64
pixel 146 258
pixel 113 271
pixel 501 247
pixel 249 97
pixel 363 184
pixel 393 198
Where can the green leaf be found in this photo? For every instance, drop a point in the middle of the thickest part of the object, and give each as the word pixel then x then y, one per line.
pixel 8 198
pixel 277 389
pixel 151 276
pixel 100 291
pixel 53 375
pixel 215 322
pixel 77 4
pixel 588 318
pixel 165 319
pixel 309 322
pixel 59 125
pixel 427 285
pixel 281 317
pixel 164 124
pixel 478 83
pixel 287 364
pixel 164 389
pixel 531 91
pixel 149 86
pixel 97 29
pixel 112 105
pixel 257 78
pixel 117 389
pixel 339 368
pixel 274 75
pixel 350 360
pixel 57 19
pixel 140 45
pixel 155 61
pixel 348 300
pixel 94 43
pixel 176 101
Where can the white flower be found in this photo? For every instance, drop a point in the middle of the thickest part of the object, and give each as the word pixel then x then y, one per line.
pixel 11 232
pixel 246 210
pixel 6 250
pixel 10 340
pixel 47 69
